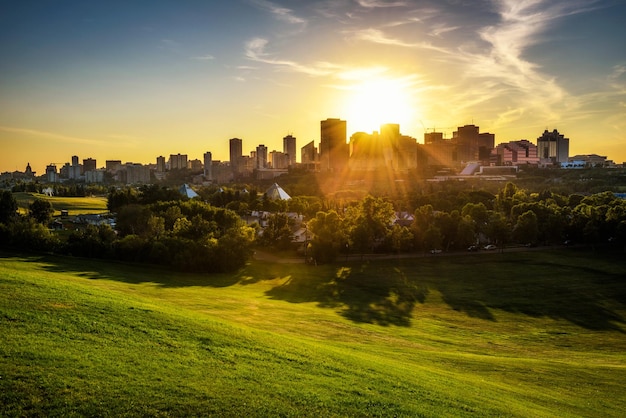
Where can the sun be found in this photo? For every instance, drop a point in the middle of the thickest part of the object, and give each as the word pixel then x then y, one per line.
pixel 372 102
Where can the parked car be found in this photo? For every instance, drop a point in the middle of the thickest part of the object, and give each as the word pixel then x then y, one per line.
pixel 490 247
pixel 472 248
pixel 435 251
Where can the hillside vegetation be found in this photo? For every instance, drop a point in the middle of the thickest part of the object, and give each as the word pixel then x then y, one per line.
pixel 512 334
pixel 74 205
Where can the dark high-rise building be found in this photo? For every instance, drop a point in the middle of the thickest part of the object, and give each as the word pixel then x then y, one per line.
pixel 334 151
pixel 160 164
pixel 309 157
pixel 178 161
pixel 75 169
pixel 553 146
pixel 113 165
pixel 261 157
pixel 235 145
pixel 89 164
pixel 208 166
pixel 472 145
pixel 289 148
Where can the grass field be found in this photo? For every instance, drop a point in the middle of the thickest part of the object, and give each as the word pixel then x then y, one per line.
pixel 515 334
pixel 74 205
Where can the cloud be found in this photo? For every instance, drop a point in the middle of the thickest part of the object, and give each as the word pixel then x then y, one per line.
pixel 440 29
pixel 206 57
pixel 255 51
pixel 374 4
pixel 281 13
pixel 379 37
pixel 502 60
pixel 51 135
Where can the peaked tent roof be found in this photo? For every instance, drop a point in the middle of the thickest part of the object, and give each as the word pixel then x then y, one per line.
pixel 276 192
pixel 185 190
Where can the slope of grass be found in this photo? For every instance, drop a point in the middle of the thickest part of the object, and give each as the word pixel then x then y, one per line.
pixel 526 334
pixel 74 205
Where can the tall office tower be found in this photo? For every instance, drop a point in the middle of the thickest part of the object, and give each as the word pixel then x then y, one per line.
pixel 51 173
pixel 114 165
pixel 235 145
pixel 472 145
pixel 208 166
pixel 261 157
pixel 89 164
pixel 279 160
pixel 334 151
pixel 160 164
pixel 433 137
pixel 309 157
pixel 75 169
pixel 178 161
pixel 553 146
pixel 390 136
pixel 289 148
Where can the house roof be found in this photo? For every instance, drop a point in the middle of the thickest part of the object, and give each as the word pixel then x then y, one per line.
pixel 276 192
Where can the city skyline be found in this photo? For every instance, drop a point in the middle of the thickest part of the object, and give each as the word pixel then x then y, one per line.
pixel 134 81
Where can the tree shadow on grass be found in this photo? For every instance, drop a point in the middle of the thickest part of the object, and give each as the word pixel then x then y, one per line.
pixel 359 293
pixel 131 273
pixel 387 293
pixel 586 296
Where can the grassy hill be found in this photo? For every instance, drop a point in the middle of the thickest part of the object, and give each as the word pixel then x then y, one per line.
pixel 74 205
pixel 513 334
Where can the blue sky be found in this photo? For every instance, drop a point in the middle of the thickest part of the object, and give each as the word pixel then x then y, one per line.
pixel 133 80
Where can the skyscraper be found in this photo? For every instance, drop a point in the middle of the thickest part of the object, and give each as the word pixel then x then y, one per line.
pixel 334 151
pixel 89 164
pixel 178 161
pixel 208 163
pixel 553 146
pixel 235 145
pixel 309 157
pixel 289 148
pixel 472 145
pixel 261 157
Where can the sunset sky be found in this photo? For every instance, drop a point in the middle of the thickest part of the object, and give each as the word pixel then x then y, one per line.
pixel 132 80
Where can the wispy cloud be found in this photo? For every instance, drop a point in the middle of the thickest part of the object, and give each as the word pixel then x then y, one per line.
pixel 281 13
pixel 440 29
pixel 379 37
pixel 375 4
pixel 207 57
pixel 504 62
pixel 255 50
pixel 51 135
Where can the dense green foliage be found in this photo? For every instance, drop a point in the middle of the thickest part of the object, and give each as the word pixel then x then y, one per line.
pixel 185 235
pixel 516 334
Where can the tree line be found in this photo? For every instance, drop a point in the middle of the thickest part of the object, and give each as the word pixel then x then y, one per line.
pixel 188 235
pixel 158 225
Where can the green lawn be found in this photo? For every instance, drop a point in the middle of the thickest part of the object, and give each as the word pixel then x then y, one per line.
pixel 74 205
pixel 514 334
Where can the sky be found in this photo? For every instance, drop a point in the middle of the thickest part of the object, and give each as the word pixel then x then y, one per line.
pixel 131 80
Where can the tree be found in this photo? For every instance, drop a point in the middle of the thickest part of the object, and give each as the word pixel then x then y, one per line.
pixel 401 239
pixel 498 230
pixel 8 206
pixel 277 233
pixel 41 211
pixel 526 230
pixel 328 236
pixel 370 222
